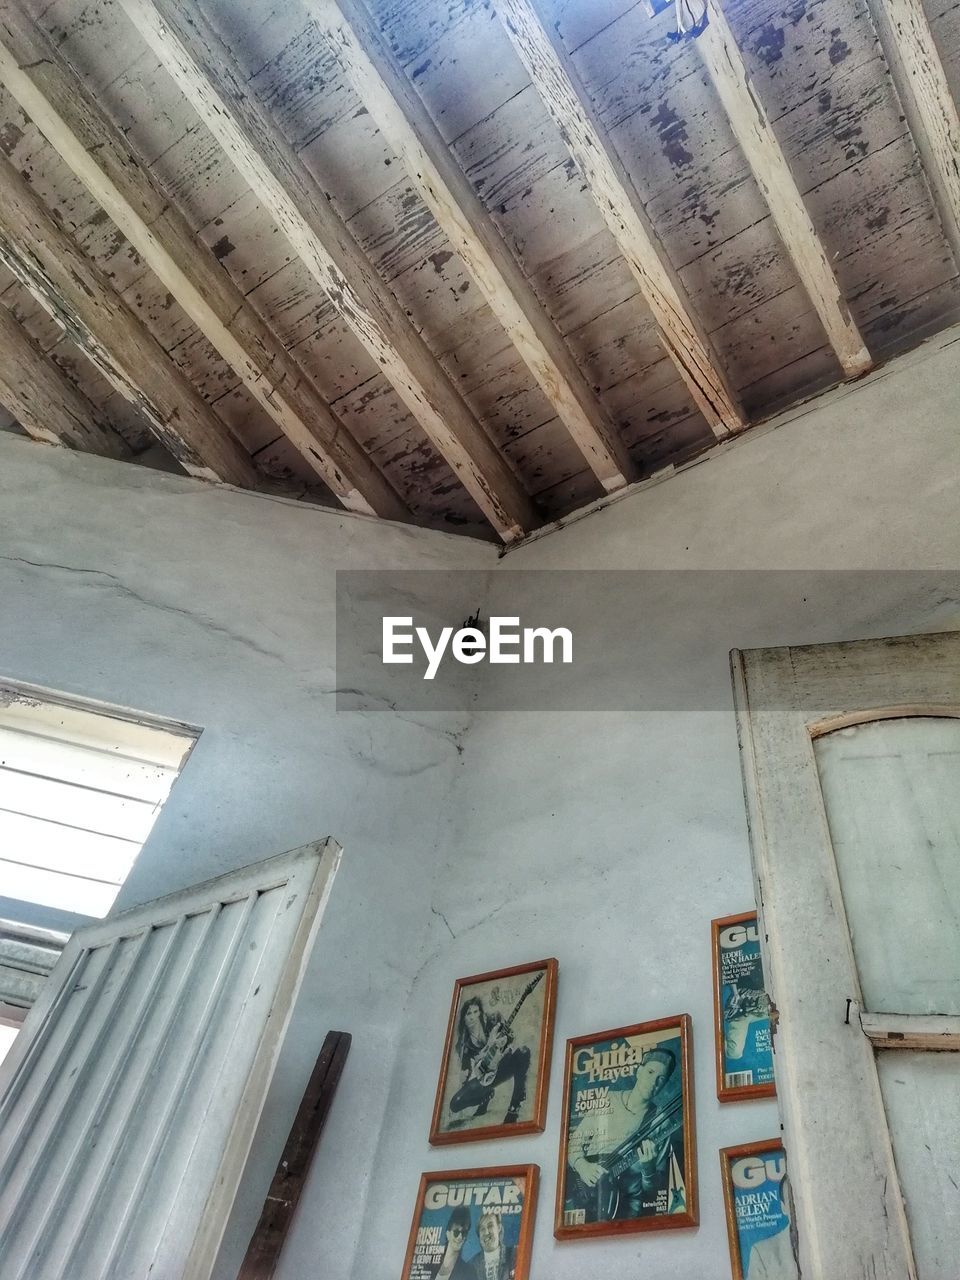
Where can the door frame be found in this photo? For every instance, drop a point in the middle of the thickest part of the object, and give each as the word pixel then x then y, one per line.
pixel 850 1213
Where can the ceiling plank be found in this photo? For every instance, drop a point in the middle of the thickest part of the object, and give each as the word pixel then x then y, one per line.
pixel 684 338
pixel 45 402
pixel 918 73
pixel 751 126
pixel 205 70
pixel 59 104
pixel 395 105
pixel 76 294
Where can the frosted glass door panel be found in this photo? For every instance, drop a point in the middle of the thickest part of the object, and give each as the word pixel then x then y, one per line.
pixel 921 1092
pixel 891 789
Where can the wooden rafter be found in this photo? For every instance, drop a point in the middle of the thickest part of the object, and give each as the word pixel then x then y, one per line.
pixel 917 70
pixel 204 68
pixel 45 402
pixel 58 103
pixel 751 126
pixel 559 86
pixel 75 292
pixel 393 102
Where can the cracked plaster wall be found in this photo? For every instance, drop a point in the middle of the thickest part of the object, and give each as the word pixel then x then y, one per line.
pixel 217 607
pixel 608 840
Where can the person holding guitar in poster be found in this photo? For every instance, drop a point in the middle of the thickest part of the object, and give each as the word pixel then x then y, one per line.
pixel 488 1057
pixel 621 1156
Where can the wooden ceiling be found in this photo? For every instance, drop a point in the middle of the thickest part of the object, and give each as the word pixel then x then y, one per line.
pixel 469 263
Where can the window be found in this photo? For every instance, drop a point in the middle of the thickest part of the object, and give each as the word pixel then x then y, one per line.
pixel 81 785
pixel 80 788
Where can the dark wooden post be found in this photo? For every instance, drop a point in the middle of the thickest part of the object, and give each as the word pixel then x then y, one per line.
pixel 266 1243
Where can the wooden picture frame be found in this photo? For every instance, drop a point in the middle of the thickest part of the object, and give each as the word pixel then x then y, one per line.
pixel 500 1092
pixel 741 1011
pixel 602 1071
pixel 457 1205
pixel 754 1173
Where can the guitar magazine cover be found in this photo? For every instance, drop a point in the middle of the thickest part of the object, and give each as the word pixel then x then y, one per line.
pixel 496 1057
pixel 744 1048
pixel 758 1217
pixel 473 1224
pixel 628 1156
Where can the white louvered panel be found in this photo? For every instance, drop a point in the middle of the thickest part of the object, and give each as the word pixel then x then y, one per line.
pixel 75 806
pixel 96 767
pixel 131 1096
pixel 52 889
pixel 35 842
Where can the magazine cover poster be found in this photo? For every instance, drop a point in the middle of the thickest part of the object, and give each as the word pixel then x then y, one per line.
pixel 496 1058
pixel 628 1155
pixel 758 1220
pixel 744 1049
pixel 473 1224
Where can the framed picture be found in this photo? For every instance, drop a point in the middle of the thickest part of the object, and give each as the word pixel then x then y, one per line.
pixel 628 1158
pixel 471 1224
pixel 756 1195
pixel 496 1057
pixel 741 1011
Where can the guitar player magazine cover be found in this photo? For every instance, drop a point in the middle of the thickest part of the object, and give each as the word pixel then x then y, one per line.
pixel 627 1159
pixel 496 1057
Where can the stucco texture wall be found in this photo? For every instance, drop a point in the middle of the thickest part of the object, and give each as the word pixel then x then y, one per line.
pixel 606 839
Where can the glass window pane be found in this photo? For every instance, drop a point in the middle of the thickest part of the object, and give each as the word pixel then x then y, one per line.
pixel 891 789
pixel 921 1093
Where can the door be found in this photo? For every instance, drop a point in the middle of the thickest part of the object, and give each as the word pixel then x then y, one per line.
pixel 851 767
pixel 129 1100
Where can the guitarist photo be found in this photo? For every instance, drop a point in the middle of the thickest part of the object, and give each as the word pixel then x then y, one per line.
pixel 487 1057
pixel 621 1155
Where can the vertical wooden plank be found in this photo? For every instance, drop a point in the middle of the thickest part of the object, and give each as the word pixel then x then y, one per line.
pixel 182 36
pixel 45 402
pixel 397 108
pixel 263 1252
pixel 59 104
pixel 928 104
pixel 751 126
pixel 686 342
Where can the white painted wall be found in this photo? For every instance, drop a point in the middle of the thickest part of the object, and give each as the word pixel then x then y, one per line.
pixel 217 607
pixel 608 840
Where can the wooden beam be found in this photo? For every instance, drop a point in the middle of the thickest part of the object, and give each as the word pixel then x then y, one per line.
pixel 59 104
pixel 204 68
pixel 751 126
pixel 397 108
pixel 928 104
pixel 559 86
pixel 45 402
pixel 266 1244
pixel 72 289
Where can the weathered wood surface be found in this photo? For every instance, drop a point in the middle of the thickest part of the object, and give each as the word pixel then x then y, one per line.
pixel 817 67
pixel 71 288
pixel 57 102
pixel 565 98
pixel 444 188
pixel 751 126
pixel 45 402
pixel 266 1244
pixel 931 110
pixel 205 71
